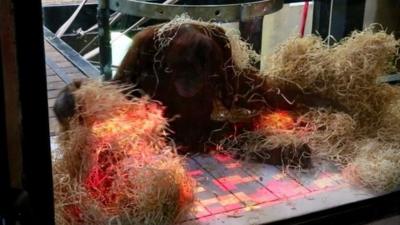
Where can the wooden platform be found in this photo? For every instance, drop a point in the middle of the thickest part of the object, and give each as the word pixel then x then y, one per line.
pixel 58 70
pixel 230 192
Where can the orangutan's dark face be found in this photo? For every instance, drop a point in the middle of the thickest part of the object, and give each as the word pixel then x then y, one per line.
pixel 189 83
pixel 190 60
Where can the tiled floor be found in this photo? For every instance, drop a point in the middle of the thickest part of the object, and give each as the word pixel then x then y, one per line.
pixel 234 192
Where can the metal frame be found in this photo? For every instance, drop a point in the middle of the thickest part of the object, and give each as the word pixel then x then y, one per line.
pixel 346 16
pixel 103 16
pixel 361 212
pixel 73 56
pixel 223 12
pixel 242 12
pixel 390 79
pixel 251 31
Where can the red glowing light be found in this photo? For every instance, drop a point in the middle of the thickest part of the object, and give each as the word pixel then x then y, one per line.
pixel 98 185
pixel 280 120
pixel 122 133
pixel 185 195
pixel 75 212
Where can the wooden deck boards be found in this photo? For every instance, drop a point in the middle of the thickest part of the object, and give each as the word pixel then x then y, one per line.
pixel 54 81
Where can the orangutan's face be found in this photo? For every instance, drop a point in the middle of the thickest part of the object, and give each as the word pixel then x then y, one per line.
pixel 191 59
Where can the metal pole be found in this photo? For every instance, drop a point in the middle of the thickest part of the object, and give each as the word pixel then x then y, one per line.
pixel 337 18
pixel 251 31
pixel 103 15
pixel 60 32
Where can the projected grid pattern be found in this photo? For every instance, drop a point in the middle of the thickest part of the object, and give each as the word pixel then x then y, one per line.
pixel 225 184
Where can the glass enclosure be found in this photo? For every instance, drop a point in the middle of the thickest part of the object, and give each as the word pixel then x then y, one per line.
pixel 219 111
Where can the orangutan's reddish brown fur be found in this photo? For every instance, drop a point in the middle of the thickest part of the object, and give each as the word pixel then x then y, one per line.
pixel 189 73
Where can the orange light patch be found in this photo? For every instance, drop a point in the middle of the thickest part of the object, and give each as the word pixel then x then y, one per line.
pixel 186 195
pixel 228 200
pixel 209 201
pixel 233 165
pixel 243 197
pixel 120 134
pixel 280 120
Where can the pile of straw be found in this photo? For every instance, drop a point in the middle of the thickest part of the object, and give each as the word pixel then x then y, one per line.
pixel 330 134
pixel 376 166
pixel 364 139
pixel 115 166
pixel 243 56
pixel 361 131
pixel 274 139
pixel 346 72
